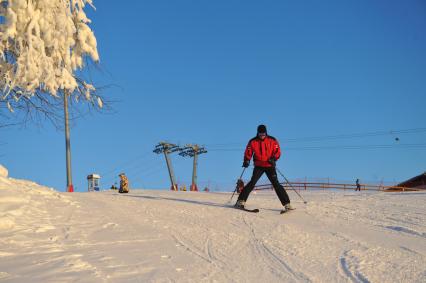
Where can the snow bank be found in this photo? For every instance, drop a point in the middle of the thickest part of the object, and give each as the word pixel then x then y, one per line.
pixel 21 201
pixel 3 171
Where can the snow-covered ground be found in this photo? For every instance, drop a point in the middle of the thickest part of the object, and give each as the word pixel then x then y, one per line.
pixel 164 236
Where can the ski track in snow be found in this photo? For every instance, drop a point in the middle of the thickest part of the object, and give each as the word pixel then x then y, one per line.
pixel 405 230
pixel 271 260
pixel 345 262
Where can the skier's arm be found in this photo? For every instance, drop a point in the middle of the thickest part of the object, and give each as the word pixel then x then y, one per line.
pixel 277 151
pixel 248 153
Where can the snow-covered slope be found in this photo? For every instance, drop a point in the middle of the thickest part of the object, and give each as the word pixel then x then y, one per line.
pixel 164 236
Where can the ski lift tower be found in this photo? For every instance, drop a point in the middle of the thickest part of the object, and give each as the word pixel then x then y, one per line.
pixel 167 148
pixel 193 150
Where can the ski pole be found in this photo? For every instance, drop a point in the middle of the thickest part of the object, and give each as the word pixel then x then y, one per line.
pixel 236 187
pixel 304 201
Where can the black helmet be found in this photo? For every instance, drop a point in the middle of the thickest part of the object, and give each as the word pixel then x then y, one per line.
pixel 261 129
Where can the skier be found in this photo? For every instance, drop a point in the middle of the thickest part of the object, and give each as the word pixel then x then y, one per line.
pixel 265 151
pixel 358 186
pixel 124 184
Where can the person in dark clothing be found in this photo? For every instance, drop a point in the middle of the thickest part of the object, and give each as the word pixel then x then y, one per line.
pixel 265 151
pixel 358 186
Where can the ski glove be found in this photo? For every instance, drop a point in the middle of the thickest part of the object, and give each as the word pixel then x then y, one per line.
pixel 272 161
pixel 246 163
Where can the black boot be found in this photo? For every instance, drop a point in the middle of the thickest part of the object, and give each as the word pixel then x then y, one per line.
pixel 240 204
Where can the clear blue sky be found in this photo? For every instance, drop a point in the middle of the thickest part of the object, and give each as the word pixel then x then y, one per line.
pixel 209 72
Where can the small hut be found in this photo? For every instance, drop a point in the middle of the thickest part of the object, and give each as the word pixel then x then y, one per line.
pixel 93 182
pixel 418 182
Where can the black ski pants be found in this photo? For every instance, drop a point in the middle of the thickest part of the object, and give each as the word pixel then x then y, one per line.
pixel 271 173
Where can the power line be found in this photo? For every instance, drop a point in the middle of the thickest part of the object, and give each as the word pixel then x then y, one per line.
pixel 132 170
pixel 343 147
pixel 237 146
pixel 354 147
pixel 153 170
pixel 357 135
pixel 334 137
pixel 123 164
pixel 148 169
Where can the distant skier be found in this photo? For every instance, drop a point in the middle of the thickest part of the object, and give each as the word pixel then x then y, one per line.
pixel 265 151
pixel 124 184
pixel 358 186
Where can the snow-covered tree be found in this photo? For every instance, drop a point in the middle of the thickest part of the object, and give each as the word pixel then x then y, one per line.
pixel 43 43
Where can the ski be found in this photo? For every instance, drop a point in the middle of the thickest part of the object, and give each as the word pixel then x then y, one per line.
pixel 248 210
pixel 286 210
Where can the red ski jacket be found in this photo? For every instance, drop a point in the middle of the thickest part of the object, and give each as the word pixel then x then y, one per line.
pixel 262 151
